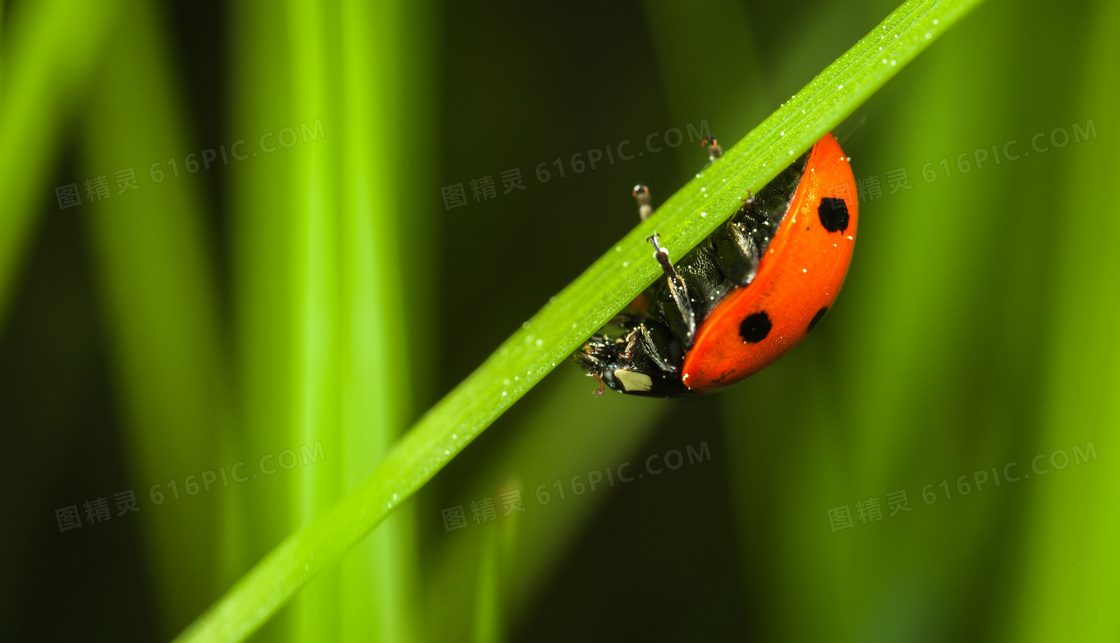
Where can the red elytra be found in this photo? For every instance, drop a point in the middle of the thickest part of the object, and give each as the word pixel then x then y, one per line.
pixel 798 278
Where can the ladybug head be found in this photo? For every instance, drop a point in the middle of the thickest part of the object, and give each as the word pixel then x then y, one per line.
pixel 625 363
pixel 597 357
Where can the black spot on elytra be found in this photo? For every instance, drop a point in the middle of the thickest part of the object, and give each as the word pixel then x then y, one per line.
pixel 833 214
pixel 755 327
pixel 817 318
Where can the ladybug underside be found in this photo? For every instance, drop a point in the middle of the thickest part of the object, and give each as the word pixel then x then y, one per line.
pixel 641 350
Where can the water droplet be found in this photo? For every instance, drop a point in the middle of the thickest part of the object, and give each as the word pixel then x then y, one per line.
pixel 455 436
pixel 840 87
pixel 503 393
pixel 525 325
pixel 394 496
pixel 539 342
pixel 703 214
pixel 936 21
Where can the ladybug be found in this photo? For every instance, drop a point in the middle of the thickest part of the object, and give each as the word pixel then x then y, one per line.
pixel 747 294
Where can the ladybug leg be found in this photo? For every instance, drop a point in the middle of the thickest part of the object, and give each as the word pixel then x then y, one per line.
pixel 640 339
pixel 641 195
pixel 736 250
pixel 598 392
pixel 748 205
pixel 682 320
pixel 737 253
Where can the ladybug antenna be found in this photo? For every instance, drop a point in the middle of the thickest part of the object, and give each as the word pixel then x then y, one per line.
pixel 714 150
pixel 641 195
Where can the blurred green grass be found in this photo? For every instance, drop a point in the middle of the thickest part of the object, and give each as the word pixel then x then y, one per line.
pixel 333 298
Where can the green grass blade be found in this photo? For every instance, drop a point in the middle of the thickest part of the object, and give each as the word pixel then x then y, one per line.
pixel 573 315
pixel 262 197
pixel 1070 562
pixel 378 579
pixel 153 265
pixel 48 58
pixel 322 303
pixel 487 596
pixel 314 347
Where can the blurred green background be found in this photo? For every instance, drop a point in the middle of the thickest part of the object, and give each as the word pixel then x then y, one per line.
pixel 295 301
